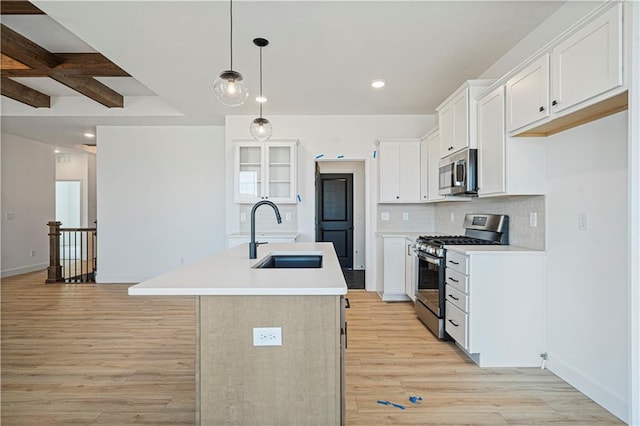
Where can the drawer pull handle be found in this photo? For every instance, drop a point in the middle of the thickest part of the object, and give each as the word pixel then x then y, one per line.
pixel 455 263
pixel 454 323
pixel 453 297
pixel 454 280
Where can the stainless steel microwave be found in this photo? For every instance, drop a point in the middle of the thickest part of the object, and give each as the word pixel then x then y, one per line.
pixel 459 173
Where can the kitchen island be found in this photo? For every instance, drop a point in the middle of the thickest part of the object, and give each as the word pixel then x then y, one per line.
pixel 300 381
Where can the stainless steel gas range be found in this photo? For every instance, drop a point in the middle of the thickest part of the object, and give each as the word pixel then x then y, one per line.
pixel 480 229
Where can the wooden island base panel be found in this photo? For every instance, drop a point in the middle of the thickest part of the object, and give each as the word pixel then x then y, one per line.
pixel 299 382
pixel 296 383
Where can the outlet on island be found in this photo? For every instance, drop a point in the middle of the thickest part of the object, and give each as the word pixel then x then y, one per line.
pixel 267 336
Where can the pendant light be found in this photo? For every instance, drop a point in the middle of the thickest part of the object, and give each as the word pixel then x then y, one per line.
pixel 260 128
pixel 229 86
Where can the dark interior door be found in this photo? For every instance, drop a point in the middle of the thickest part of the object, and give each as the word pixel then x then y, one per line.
pixel 334 214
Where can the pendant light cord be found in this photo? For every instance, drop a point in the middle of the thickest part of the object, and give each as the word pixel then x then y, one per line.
pixel 261 81
pixel 231 33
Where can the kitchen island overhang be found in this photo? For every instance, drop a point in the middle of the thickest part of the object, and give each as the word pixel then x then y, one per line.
pixel 237 383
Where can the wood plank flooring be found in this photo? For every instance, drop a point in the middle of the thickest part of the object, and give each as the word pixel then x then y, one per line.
pixel 92 355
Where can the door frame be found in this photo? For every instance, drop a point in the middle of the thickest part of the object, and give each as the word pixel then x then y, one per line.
pixel 359 208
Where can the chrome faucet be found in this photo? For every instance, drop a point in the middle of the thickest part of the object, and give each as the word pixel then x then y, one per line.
pixel 253 246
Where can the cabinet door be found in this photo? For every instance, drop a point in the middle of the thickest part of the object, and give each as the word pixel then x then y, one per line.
pixel 528 95
pixel 589 62
pixel 389 172
pixel 424 172
pixel 249 173
pixel 445 125
pixel 491 143
pixel 460 105
pixel 394 268
pixel 433 155
pixel 409 170
pixel 280 172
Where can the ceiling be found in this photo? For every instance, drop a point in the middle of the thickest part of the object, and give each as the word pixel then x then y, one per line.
pixel 321 58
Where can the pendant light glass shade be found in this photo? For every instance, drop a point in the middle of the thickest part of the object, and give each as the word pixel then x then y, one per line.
pixel 260 128
pixel 229 87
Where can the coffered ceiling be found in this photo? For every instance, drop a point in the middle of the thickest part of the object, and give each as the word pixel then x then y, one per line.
pixel 321 58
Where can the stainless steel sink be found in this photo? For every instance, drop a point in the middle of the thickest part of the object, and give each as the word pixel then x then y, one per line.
pixel 281 261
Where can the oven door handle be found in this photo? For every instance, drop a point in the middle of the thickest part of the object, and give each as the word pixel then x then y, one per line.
pixel 428 259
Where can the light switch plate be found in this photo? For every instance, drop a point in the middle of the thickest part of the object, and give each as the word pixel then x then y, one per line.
pixel 533 219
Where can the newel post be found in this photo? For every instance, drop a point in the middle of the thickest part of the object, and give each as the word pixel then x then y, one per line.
pixel 54 272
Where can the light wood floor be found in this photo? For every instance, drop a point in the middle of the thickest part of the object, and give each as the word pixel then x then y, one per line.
pixel 91 354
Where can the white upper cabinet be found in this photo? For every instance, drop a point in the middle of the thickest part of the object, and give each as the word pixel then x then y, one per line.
pixel 399 162
pixel 424 170
pixel 578 79
pixel 589 62
pixel 265 170
pixel 433 157
pixel 457 117
pixel 528 95
pixel 506 165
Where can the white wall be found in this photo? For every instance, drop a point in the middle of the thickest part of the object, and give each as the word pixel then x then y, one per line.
pixel 28 195
pixel 587 274
pixel 160 191
pixel 353 137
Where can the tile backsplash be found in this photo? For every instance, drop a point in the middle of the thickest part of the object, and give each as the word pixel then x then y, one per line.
pixel 517 208
pixel 266 218
pixel 420 218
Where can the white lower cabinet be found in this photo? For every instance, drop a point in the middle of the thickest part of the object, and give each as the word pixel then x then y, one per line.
pixel 494 305
pixel 410 271
pixel 395 267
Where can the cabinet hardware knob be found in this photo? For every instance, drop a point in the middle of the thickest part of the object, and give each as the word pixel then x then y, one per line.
pixel 554 103
pixel 454 323
pixel 397 197
pixel 453 297
pixel 541 109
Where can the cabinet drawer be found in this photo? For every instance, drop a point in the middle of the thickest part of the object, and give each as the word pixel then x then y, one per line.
pixel 457 280
pixel 456 324
pixel 457 298
pixel 458 262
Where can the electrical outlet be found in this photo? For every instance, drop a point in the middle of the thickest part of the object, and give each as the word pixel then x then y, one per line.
pixel 243 217
pixel 267 336
pixel 453 217
pixel 10 216
pixel 384 216
pixel 182 260
pixel 32 253
pixel 405 216
pixel 287 216
pixel 533 219
pixel 583 221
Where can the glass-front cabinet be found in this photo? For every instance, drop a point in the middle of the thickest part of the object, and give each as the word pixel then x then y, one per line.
pixel 265 171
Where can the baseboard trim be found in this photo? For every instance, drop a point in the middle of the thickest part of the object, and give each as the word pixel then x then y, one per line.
pixel 23 270
pixel 602 396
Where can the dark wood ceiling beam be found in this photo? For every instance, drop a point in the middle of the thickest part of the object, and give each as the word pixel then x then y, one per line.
pixel 91 88
pixel 88 65
pixel 25 51
pixel 26 95
pixel 19 7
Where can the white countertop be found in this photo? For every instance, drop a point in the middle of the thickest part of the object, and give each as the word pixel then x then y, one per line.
pixel 230 273
pixel 474 249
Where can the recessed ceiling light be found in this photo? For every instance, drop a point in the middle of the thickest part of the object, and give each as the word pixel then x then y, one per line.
pixel 89 135
pixel 261 99
pixel 57 151
pixel 377 84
